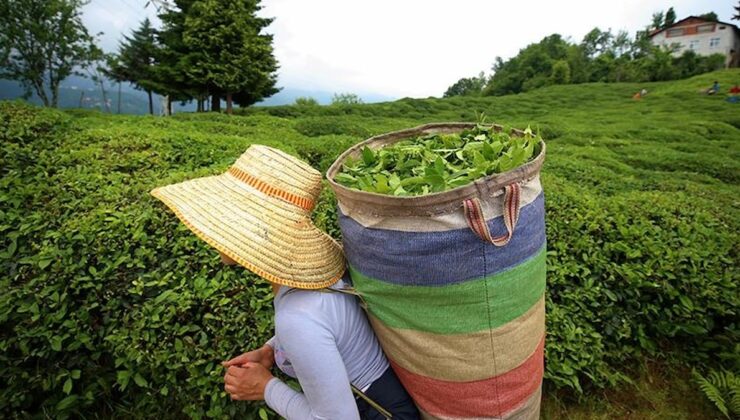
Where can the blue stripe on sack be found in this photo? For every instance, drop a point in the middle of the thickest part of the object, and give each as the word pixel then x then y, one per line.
pixel 441 258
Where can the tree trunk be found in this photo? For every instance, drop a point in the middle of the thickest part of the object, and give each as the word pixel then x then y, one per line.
pixel 169 105
pixel 105 97
pixel 41 92
pixel 215 103
pixel 151 104
pixel 200 105
pixel 229 108
pixel 119 97
pixel 82 98
pixel 54 96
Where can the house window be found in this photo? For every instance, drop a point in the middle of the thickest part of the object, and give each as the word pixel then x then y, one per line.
pixel 722 27
pixel 694 45
pixel 705 28
pixel 675 32
pixel 714 42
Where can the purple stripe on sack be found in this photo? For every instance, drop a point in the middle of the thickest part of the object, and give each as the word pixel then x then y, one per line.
pixel 443 257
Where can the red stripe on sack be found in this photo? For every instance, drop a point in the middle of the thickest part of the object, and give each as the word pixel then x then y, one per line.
pixel 480 219
pixel 270 190
pixel 468 204
pixel 517 199
pixel 510 200
pixel 477 219
pixel 491 397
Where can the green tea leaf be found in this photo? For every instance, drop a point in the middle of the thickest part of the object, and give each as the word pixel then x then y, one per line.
pixel 368 156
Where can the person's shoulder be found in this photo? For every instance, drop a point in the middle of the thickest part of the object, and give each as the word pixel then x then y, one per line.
pixel 298 306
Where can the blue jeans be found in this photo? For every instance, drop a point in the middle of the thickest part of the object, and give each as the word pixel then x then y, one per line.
pixel 388 392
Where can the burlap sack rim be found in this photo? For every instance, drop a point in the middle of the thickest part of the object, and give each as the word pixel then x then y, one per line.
pixel 430 204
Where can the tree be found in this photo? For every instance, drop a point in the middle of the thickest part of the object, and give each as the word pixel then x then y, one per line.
pixel 658 19
pixel 306 101
pixel 467 86
pixel 135 60
pixel 736 16
pixel 560 73
pixel 175 57
pixel 42 42
pixel 345 99
pixel 596 42
pixel 234 56
pixel 670 18
pixel 98 72
pixel 531 68
pixel 710 16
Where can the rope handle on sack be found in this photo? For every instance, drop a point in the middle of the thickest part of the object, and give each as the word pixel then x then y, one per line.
pixel 477 223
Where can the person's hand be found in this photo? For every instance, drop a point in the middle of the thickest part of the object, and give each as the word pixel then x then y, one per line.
pixel 248 382
pixel 263 356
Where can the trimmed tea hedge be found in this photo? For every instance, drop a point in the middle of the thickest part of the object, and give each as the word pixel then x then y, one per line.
pixel 109 305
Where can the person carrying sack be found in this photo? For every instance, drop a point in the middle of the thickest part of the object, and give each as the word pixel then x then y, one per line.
pixel 257 215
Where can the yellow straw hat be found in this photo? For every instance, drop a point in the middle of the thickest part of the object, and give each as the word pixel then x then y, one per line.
pixel 258 214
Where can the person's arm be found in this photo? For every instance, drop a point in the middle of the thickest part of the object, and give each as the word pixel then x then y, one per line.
pixel 313 352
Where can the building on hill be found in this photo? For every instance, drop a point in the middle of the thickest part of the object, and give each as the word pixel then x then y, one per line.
pixel 703 36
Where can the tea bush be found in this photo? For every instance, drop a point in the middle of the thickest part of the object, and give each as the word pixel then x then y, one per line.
pixel 314 127
pixel 109 305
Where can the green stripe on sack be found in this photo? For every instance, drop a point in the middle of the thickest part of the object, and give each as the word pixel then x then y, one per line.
pixel 458 308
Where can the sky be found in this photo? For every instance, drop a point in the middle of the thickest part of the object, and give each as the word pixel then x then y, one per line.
pixel 409 48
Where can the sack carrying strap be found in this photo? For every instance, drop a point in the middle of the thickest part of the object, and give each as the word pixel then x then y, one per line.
pixel 385 413
pixel 477 223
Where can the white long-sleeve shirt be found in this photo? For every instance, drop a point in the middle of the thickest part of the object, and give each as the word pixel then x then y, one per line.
pixel 325 341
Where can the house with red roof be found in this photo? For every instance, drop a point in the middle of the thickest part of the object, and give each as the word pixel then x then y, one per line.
pixel 703 36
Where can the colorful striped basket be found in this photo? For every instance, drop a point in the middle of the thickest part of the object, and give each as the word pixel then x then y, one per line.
pixel 454 284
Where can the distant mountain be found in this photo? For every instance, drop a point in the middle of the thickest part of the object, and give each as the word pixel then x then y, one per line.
pixel 80 92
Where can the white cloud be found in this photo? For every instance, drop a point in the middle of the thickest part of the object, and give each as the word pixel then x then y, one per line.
pixel 418 48
pixel 409 47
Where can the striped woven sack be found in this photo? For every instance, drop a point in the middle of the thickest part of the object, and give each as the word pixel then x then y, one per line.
pixel 454 284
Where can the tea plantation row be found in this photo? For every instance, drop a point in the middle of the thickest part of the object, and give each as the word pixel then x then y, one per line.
pixel 109 305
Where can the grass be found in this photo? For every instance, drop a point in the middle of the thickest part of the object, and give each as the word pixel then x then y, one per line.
pixel 659 392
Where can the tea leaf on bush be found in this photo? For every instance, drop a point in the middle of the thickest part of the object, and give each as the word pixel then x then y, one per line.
pixel 67 386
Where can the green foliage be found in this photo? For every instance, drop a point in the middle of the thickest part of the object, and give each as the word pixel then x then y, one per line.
pixel 437 162
pixel 467 86
pixel 721 387
pixel 306 101
pixel 345 99
pixel 710 16
pixel 560 73
pixel 42 42
pixel 658 20
pixel 314 127
pixel 600 57
pixel 108 305
pixel 230 54
pixel 135 60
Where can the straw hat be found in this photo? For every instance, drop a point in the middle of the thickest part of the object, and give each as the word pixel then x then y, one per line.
pixel 258 214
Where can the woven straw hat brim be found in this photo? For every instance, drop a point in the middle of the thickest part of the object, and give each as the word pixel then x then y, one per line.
pixel 272 238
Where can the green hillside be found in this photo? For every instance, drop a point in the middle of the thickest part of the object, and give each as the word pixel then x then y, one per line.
pixel 109 305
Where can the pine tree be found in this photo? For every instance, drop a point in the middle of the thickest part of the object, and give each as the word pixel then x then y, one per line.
pixel 658 19
pixel 670 18
pixel 737 12
pixel 231 56
pixel 135 60
pixel 176 56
